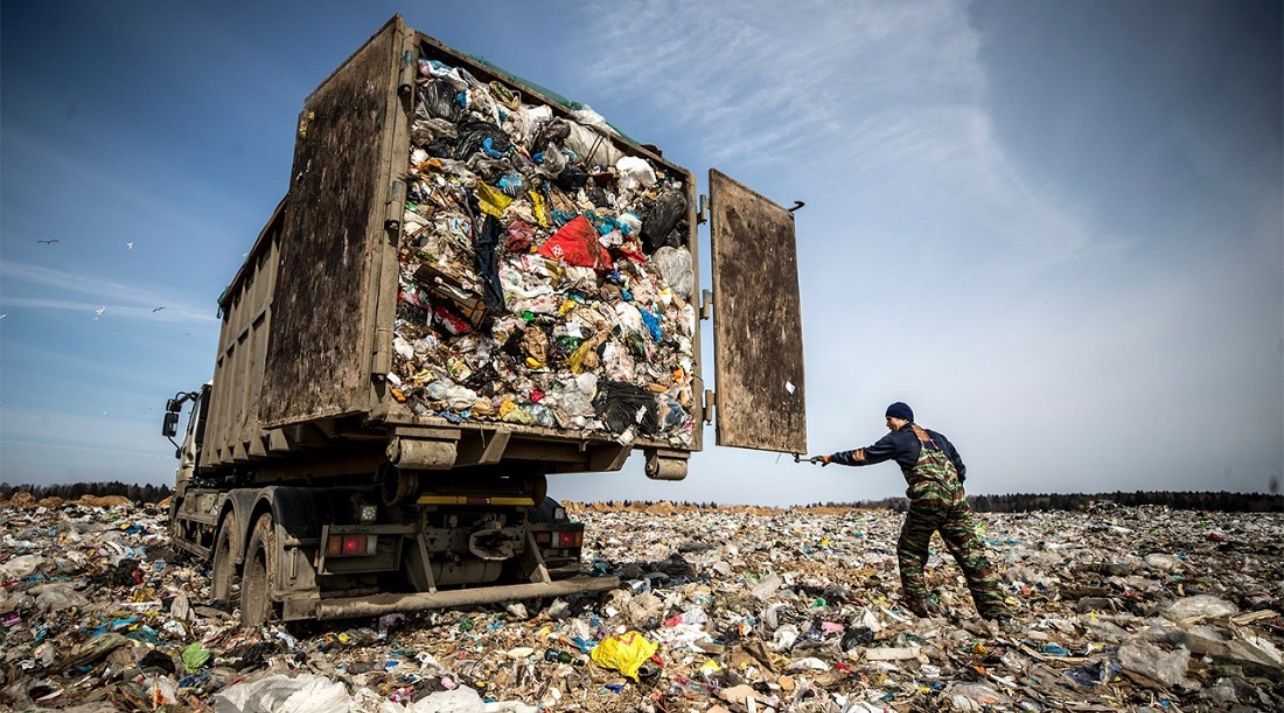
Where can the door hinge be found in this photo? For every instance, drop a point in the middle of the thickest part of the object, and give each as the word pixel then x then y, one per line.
pixel 381 364
pixel 395 208
pixel 406 78
pixel 702 212
pixel 710 399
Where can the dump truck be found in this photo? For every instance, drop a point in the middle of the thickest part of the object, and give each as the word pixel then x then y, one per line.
pixel 314 492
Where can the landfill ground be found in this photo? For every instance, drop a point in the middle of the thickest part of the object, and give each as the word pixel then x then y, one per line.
pixel 746 609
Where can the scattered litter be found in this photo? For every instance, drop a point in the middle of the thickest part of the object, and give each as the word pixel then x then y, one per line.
pixel 793 609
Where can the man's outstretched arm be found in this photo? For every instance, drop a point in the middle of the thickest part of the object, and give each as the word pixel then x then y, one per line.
pixel 883 450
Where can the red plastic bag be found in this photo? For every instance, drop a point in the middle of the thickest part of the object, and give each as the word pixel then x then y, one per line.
pixel 576 244
pixel 452 322
pixel 519 237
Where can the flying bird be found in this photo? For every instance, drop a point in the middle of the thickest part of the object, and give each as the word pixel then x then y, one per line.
pixel 157 310
pixel 99 312
pixel 47 242
pixel 130 245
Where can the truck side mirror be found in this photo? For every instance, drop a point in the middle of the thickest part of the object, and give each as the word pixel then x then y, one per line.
pixel 173 406
pixel 170 428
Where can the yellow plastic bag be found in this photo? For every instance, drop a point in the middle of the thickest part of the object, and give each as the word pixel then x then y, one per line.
pixel 541 210
pixel 492 201
pixel 506 407
pixel 625 653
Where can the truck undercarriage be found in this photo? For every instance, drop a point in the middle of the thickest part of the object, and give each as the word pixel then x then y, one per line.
pixel 325 553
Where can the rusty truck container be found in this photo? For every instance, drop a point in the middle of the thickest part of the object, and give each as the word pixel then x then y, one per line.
pixel 315 492
pixel 306 341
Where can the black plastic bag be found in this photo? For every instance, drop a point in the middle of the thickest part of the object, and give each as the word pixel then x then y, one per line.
pixel 442 147
pixel 486 244
pixel 437 97
pixel 473 135
pixel 554 131
pixel 618 403
pixel 484 380
pixel 571 179
pixel 661 224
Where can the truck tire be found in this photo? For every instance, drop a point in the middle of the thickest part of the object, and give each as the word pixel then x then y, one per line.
pixel 543 512
pixel 223 579
pixel 257 607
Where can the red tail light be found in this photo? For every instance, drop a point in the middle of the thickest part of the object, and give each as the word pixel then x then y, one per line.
pixel 570 539
pixel 350 546
pixel 543 538
pixel 354 544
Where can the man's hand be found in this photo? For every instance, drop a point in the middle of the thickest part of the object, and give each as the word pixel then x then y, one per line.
pixel 822 460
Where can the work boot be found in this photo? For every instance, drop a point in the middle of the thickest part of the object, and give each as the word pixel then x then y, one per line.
pixel 923 609
pixel 990 628
pixel 1003 624
pixel 977 626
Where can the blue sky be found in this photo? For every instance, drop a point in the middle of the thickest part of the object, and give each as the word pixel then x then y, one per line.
pixel 1054 228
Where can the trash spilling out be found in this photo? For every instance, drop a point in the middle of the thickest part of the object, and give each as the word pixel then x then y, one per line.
pixel 545 275
pixel 724 609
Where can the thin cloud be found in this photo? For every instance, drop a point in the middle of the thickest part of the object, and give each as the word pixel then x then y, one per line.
pixel 878 106
pixel 770 77
pixel 91 310
pixel 119 299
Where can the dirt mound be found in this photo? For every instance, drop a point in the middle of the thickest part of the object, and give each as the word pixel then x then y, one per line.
pixel 22 499
pixel 105 501
pixel 667 508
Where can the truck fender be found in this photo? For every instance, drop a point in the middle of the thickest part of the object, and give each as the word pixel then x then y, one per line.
pixel 242 506
pixel 298 512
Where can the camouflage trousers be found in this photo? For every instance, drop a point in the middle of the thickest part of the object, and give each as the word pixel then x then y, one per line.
pixel 938 508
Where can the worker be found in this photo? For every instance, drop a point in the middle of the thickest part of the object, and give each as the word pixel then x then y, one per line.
pixel 935 474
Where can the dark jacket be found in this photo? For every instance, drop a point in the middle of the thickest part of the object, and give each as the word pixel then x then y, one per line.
pixel 903 446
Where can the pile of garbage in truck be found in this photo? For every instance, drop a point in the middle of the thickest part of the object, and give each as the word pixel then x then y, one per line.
pixel 545 276
pixel 720 609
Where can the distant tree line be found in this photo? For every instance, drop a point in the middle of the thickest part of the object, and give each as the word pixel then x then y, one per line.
pixel 74 491
pixel 1037 502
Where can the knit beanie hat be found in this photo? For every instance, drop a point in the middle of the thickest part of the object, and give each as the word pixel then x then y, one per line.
pixel 900 409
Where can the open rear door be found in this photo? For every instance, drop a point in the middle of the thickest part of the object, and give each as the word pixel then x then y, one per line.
pixel 334 238
pixel 757 326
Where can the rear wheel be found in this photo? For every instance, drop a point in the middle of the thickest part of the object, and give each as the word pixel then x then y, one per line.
pixel 223 578
pixel 257 579
pixel 544 511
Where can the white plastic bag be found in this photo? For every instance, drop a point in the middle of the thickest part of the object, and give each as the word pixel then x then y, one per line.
pixel 674 265
pixel 1152 664
pixel 635 173
pixel 1198 608
pixel 284 694
pixel 459 700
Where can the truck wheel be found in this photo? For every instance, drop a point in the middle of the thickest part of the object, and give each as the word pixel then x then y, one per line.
pixel 223 578
pixel 543 512
pixel 175 527
pixel 257 607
